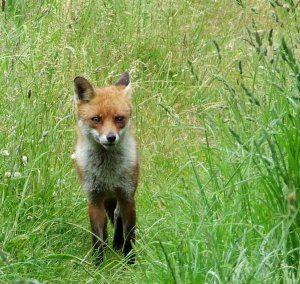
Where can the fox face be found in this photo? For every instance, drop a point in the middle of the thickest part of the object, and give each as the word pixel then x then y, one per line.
pixel 103 113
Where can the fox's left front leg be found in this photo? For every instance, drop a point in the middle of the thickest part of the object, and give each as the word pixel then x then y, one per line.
pixel 128 215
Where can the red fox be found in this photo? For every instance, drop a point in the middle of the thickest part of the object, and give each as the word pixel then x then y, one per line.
pixel 107 161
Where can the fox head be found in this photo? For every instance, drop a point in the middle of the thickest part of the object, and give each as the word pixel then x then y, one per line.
pixel 103 113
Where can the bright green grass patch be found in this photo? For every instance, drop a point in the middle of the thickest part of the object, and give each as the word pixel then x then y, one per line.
pixel 217 91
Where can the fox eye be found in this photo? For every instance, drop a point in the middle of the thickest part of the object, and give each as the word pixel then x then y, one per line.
pixel 96 119
pixel 119 119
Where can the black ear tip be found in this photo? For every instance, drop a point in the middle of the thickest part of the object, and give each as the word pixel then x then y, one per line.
pixel 78 79
pixel 124 79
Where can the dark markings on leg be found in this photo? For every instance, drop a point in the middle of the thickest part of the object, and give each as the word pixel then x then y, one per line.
pixel 110 206
pixel 98 228
pixel 128 214
pixel 118 241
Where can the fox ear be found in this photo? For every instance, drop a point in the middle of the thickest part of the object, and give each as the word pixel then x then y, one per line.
pixel 84 91
pixel 125 81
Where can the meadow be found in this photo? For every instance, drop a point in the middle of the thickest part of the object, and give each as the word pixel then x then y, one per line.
pixel 217 115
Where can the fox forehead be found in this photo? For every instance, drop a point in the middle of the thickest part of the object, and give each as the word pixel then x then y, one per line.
pixel 107 102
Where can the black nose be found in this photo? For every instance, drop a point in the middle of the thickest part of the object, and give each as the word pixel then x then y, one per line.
pixel 111 137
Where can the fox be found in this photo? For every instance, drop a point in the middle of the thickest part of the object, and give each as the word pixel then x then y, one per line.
pixel 107 162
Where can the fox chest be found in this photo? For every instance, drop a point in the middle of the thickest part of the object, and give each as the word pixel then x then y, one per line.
pixel 105 174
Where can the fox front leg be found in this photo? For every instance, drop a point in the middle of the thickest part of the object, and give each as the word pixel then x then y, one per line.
pixel 128 215
pixel 98 222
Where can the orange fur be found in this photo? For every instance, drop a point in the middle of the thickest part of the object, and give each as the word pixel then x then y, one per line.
pixel 107 161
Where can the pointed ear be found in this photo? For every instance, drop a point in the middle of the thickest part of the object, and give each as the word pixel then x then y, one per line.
pixel 84 91
pixel 125 81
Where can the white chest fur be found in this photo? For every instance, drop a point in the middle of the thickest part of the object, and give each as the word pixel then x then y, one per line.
pixel 107 171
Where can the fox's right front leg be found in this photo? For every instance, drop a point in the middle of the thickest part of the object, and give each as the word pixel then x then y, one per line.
pixel 98 228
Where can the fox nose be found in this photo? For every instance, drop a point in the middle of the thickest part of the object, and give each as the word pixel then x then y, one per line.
pixel 111 137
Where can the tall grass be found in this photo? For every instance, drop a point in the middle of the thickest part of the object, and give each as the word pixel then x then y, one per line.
pixel 217 115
